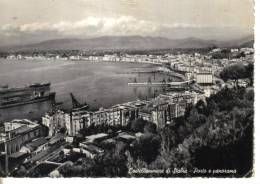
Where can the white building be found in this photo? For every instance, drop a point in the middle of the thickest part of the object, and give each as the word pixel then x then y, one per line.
pixel 54 122
pixel 204 78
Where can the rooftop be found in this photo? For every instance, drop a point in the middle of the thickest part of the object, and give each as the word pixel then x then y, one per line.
pixel 17 155
pixel 92 148
pixel 18 126
pixel 126 136
pixel 36 143
pixel 91 138
pixel 56 138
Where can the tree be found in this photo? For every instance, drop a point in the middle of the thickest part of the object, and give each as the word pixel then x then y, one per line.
pixel 235 154
pixel 113 165
pixel 234 72
pixel 137 125
pixel 63 130
pixel 21 172
pixel 187 110
pixel 250 72
pixel 150 127
pixel 212 107
pixel 146 148
pixel 201 107
pixel 196 119
pixel 168 138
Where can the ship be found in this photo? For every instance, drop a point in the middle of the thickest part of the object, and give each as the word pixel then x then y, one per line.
pixel 30 102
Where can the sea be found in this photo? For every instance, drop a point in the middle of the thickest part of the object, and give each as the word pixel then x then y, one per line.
pixel 99 84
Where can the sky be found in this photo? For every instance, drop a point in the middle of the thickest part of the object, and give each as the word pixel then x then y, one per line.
pixel 29 21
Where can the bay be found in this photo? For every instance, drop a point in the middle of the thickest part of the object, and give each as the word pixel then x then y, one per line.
pixel 100 84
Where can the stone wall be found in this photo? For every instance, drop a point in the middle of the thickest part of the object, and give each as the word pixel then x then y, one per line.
pixel 31 111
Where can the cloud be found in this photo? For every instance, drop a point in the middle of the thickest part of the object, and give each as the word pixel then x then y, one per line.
pixel 107 26
pixel 92 26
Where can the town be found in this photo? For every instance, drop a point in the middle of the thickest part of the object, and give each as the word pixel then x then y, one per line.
pixel 56 139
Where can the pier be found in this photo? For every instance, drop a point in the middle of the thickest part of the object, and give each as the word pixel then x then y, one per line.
pixel 168 73
pixel 155 84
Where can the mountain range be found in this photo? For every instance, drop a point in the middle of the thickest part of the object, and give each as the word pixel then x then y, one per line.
pixel 128 43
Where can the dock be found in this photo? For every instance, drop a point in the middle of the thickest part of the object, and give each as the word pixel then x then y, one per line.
pixel 155 84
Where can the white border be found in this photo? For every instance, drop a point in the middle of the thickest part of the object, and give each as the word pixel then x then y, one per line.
pixel 178 180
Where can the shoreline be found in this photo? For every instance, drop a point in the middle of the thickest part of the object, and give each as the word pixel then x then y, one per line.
pixel 97 90
pixel 83 60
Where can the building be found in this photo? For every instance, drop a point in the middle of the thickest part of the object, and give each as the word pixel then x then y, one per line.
pixel 204 78
pixel 145 114
pixel 164 114
pixel 54 121
pixel 96 138
pixel 160 114
pixel 177 102
pixel 77 120
pixel 118 115
pixel 189 75
pixel 90 150
pixel 35 147
pixel 128 111
pixel 187 97
pixel 17 133
pixel 161 110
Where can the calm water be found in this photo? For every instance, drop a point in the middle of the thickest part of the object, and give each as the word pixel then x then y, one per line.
pixel 98 84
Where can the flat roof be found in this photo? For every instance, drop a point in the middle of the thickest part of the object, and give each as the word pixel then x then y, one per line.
pixel 38 142
pixel 204 73
pixel 17 154
pixel 126 136
pixel 93 148
pixel 96 136
pixel 56 138
pixel 24 129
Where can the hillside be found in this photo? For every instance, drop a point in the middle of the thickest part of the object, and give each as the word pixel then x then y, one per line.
pixel 125 42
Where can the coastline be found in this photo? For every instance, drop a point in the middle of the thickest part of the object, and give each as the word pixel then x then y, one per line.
pixel 100 84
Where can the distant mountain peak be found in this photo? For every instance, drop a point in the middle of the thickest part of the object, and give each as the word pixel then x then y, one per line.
pixel 125 42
